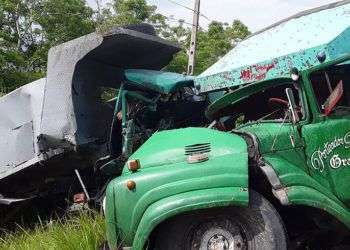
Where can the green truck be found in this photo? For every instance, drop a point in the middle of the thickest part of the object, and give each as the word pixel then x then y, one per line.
pixel 271 170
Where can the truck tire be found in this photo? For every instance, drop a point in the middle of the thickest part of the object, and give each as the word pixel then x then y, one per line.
pixel 258 226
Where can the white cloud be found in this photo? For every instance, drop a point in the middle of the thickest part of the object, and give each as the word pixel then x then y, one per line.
pixel 256 14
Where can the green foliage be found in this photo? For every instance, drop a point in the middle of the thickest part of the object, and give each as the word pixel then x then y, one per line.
pixel 86 231
pixel 29 28
pixel 126 12
pixel 132 11
pixel 212 44
pixel 16 44
pixel 63 20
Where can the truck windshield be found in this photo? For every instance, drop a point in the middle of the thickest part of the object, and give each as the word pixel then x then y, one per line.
pixel 142 118
pixel 270 104
pixel 332 89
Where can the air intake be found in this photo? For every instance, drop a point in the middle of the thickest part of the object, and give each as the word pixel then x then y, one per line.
pixel 197 149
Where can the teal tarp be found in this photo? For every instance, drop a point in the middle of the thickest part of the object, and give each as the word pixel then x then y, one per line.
pixel 162 82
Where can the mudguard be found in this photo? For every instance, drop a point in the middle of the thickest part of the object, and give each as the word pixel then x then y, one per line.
pixel 184 202
pixel 177 186
pixel 293 186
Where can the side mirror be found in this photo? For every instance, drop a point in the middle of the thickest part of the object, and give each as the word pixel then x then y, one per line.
pixel 292 105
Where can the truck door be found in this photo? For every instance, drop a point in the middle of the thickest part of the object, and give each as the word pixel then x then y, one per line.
pixel 328 138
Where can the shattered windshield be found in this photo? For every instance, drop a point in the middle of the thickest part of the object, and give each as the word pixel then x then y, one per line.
pixel 148 112
pixel 269 104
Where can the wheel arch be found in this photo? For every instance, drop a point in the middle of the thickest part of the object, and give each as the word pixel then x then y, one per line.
pixel 190 220
pixel 175 205
pixel 294 190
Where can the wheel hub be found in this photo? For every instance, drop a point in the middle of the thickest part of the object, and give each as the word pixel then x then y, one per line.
pixel 217 242
pixel 218 238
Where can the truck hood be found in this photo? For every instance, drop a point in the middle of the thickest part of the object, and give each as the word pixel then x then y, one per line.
pixel 174 146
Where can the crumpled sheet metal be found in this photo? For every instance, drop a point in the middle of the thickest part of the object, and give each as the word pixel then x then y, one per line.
pixel 20 125
pixel 65 109
pixel 78 68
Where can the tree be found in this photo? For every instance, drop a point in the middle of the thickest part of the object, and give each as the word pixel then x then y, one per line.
pixel 212 44
pixel 18 43
pixel 63 20
pixel 128 12
pixel 28 28
pixel 132 11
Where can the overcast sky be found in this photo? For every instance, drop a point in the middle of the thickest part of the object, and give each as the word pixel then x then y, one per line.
pixel 256 14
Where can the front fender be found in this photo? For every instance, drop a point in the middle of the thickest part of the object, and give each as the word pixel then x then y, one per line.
pixel 184 202
pixel 159 183
pixel 165 172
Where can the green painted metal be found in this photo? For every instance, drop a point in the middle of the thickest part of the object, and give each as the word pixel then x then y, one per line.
pixel 185 202
pixel 160 81
pixel 295 169
pixel 320 142
pixel 135 96
pixel 165 172
pixel 303 189
pixel 328 154
pixel 272 52
pixel 301 195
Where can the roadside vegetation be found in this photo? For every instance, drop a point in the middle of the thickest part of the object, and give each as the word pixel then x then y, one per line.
pixel 29 28
pixel 83 231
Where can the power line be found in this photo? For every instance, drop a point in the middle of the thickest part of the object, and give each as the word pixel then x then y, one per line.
pixel 188 8
pixel 178 20
pixel 181 5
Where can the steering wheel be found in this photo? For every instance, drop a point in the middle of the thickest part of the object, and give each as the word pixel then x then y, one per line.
pixel 278 102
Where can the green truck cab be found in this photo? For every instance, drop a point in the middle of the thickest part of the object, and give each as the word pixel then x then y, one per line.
pixel 149 101
pixel 271 171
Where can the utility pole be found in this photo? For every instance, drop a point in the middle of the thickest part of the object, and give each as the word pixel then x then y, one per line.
pixel 193 46
pixel 99 16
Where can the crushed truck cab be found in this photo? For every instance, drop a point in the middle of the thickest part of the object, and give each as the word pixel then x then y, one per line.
pixel 104 95
pixel 273 164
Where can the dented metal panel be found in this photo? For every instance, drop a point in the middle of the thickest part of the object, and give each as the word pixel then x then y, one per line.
pixel 159 81
pixel 271 53
pixel 20 125
pixel 73 112
pixel 64 112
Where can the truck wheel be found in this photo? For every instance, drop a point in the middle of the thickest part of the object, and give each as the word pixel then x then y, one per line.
pixel 258 226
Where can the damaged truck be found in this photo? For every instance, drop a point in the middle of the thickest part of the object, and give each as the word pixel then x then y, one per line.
pixel 271 170
pixel 62 135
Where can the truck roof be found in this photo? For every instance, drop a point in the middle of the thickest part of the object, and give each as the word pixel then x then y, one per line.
pixel 272 52
pixel 159 81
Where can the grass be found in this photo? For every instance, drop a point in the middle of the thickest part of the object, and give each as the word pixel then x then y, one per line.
pixel 85 231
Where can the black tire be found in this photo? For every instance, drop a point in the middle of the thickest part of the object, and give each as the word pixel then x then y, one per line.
pixel 257 227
